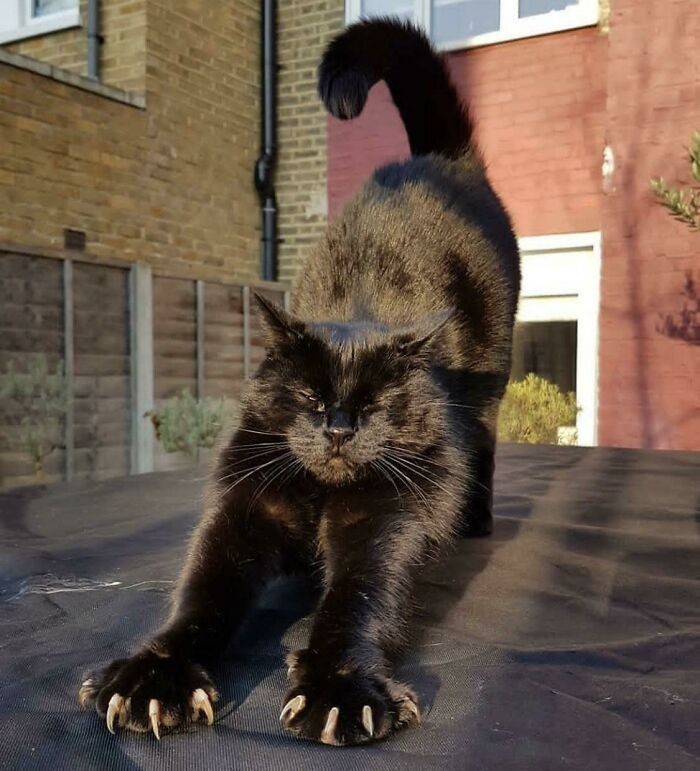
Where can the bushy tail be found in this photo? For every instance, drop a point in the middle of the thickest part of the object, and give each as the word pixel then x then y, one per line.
pixel 398 53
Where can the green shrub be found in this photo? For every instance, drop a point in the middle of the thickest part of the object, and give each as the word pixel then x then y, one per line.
pixel 532 411
pixel 40 396
pixel 186 424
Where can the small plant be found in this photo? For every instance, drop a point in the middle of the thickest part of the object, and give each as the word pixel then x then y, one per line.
pixel 186 424
pixel 533 410
pixel 40 397
pixel 684 205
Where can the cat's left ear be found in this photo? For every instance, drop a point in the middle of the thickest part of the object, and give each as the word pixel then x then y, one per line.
pixel 278 325
pixel 413 341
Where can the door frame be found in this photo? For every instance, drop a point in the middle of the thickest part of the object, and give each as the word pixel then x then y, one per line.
pixel 561 282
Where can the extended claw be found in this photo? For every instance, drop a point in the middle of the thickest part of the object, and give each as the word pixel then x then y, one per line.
pixel 328 733
pixel 114 708
pixel 201 703
pixel 86 692
pixel 154 716
pixel 293 706
pixel 367 720
pixel 413 707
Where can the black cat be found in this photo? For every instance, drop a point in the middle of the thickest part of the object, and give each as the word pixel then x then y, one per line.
pixel 367 436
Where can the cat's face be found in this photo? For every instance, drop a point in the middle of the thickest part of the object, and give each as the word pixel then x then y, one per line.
pixel 347 398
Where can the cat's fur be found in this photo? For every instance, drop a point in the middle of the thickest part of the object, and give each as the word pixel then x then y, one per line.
pixel 367 435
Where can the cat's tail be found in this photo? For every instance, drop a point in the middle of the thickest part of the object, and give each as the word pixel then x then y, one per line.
pixel 386 49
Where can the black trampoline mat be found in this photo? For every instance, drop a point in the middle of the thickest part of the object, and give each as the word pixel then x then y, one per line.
pixel 570 639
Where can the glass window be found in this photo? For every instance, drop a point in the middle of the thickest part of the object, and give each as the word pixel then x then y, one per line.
pixel 547 349
pixel 20 19
pixel 454 19
pixel 460 23
pixel 536 7
pixel 46 7
pixel 402 8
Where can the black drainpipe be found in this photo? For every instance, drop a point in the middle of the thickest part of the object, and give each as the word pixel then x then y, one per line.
pixel 94 39
pixel 265 165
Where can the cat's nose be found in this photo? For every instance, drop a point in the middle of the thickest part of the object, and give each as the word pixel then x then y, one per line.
pixel 339 429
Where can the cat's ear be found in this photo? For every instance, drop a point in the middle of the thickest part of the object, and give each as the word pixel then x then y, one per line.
pixel 278 326
pixel 413 341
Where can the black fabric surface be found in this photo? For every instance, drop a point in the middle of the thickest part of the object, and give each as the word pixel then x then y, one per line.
pixel 570 639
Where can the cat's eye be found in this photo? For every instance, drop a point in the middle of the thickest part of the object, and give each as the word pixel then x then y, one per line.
pixel 314 400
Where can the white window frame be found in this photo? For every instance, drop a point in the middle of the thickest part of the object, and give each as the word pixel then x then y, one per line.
pixel 561 282
pixel 511 27
pixel 21 23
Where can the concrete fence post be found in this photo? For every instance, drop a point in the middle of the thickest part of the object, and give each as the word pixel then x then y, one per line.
pixel 69 365
pixel 142 366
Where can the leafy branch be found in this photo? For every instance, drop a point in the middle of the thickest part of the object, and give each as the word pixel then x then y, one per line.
pixel 684 205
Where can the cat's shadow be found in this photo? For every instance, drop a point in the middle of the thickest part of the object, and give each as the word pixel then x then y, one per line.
pixel 441 610
pixel 258 652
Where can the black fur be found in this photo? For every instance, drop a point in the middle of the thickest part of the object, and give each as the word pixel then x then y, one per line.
pixel 366 441
pixel 384 49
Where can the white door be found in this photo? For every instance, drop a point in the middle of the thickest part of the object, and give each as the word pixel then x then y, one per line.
pixel 558 315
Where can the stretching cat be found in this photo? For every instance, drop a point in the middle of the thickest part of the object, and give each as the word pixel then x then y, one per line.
pixel 366 439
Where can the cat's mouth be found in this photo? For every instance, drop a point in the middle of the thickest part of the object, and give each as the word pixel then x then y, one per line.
pixel 338 468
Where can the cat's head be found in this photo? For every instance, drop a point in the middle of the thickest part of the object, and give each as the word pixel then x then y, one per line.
pixel 347 398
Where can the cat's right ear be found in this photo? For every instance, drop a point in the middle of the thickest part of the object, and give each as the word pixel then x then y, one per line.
pixel 279 327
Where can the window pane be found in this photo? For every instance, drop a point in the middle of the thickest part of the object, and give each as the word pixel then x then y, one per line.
pixel 402 8
pixel 46 7
pixel 536 7
pixel 455 20
pixel 547 348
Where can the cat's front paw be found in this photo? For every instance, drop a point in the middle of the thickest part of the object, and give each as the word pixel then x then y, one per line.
pixel 149 691
pixel 343 706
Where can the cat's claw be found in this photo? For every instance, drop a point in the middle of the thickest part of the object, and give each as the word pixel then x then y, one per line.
pixel 328 733
pixel 115 708
pixel 154 717
pixel 86 692
pixel 367 720
pixel 293 707
pixel 201 703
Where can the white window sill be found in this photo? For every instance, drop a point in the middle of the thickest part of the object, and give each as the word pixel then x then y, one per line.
pixel 42 26
pixel 533 27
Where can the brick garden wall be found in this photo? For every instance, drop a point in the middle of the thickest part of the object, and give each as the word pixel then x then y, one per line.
pixel 649 383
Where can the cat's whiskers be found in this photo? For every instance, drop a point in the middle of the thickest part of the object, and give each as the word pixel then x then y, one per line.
pixel 414 455
pixel 251 456
pixel 251 472
pixel 413 467
pixel 414 488
pixel 375 465
pixel 236 447
pixel 267 480
pixel 262 433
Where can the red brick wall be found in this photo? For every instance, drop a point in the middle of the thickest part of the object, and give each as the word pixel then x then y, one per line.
pixel 539 105
pixel 649 384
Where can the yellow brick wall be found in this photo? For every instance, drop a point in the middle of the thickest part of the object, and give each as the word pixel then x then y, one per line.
pixel 305 27
pixel 123 52
pixel 171 185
